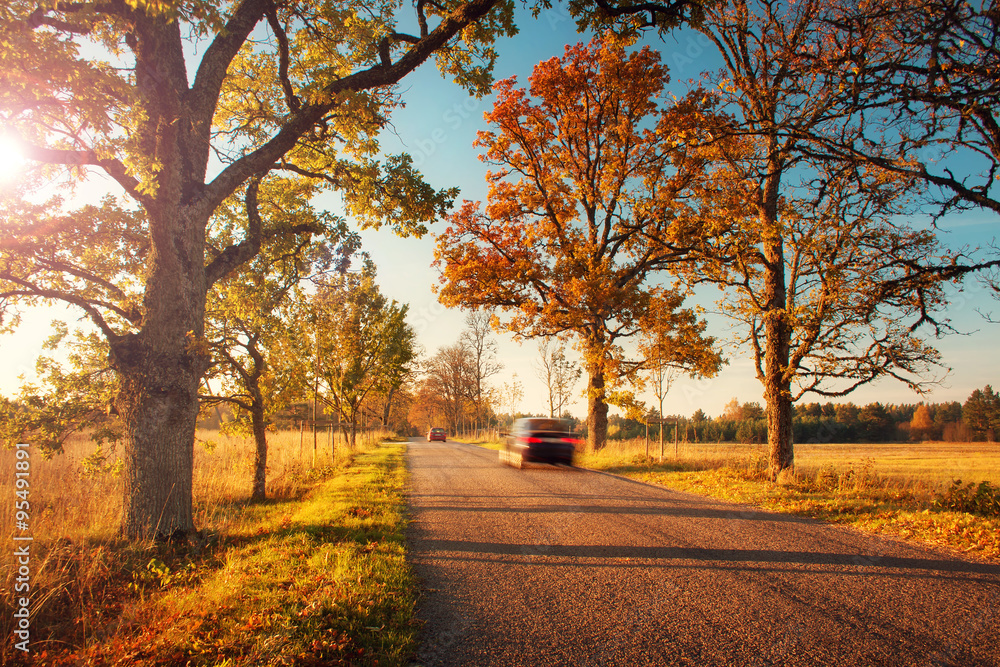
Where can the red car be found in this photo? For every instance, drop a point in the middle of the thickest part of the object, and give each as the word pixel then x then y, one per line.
pixel 437 434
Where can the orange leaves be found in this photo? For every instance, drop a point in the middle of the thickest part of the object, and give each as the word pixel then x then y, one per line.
pixel 587 192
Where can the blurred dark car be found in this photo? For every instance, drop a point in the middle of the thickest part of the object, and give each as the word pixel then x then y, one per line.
pixel 541 440
pixel 437 434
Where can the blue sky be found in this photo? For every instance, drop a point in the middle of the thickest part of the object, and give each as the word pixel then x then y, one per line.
pixel 438 127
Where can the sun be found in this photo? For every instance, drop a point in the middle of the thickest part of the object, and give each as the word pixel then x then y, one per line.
pixel 11 160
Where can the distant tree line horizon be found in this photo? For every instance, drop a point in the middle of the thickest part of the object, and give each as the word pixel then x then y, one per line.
pixel 975 420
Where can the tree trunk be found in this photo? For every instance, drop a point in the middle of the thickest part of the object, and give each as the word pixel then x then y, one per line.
pixel 597 409
pixel 777 341
pixel 159 371
pixel 386 413
pixel 158 404
pixel 258 491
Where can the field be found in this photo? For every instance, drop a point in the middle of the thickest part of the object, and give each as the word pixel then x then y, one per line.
pixel 937 463
pixel 302 577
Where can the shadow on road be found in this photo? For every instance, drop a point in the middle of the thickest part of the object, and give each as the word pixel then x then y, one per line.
pixel 443 547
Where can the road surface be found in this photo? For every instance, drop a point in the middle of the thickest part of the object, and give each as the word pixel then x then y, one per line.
pixel 560 566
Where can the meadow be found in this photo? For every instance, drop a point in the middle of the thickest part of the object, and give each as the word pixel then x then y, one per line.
pixel 300 578
pixel 931 463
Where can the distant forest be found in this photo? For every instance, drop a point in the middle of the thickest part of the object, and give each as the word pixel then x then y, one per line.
pixel 978 419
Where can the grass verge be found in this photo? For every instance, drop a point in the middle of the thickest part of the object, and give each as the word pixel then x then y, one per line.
pixel 319 579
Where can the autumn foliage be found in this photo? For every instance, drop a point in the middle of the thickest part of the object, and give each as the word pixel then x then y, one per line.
pixel 585 180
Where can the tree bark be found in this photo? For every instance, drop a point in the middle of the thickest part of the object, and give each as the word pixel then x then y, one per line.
pixel 777 337
pixel 158 403
pixel 597 408
pixel 387 411
pixel 259 425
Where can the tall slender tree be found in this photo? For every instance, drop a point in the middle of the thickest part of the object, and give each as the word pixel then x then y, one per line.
pixel 257 365
pixel 477 337
pixel 558 373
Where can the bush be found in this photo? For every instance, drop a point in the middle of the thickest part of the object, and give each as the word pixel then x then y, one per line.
pixel 982 499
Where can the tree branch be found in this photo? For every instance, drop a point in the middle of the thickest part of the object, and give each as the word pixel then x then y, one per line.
pixel 113 168
pixel 245 250
pixel 299 122
pixel 279 33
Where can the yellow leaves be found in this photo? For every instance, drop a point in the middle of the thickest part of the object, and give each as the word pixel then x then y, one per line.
pixel 154 7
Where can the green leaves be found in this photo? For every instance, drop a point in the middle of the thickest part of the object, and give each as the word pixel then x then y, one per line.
pixel 71 396
pixel 363 346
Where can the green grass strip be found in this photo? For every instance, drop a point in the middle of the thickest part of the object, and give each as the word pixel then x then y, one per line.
pixel 321 580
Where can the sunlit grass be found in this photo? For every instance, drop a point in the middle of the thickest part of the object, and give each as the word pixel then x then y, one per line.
pixel 317 571
pixel 933 463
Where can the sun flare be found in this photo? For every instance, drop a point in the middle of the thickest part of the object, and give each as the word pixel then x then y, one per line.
pixel 11 159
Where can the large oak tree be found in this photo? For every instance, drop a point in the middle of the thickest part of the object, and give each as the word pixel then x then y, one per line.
pixel 585 181
pixel 812 245
pixel 179 105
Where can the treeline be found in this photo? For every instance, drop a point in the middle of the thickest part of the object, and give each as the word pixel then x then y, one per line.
pixel 978 419
pixel 454 390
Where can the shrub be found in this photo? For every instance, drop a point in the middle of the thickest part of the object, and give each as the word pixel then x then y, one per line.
pixel 982 499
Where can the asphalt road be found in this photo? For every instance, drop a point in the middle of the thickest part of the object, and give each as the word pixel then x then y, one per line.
pixel 560 566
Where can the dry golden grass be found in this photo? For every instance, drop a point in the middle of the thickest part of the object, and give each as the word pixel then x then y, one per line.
pixel 931 463
pixel 80 570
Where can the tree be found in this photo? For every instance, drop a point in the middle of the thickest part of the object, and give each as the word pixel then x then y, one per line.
pixel 558 373
pixel 107 87
pixel 511 395
pixel 298 86
pixel 981 413
pixel 427 409
pixel 927 75
pixel 362 341
pixel 876 423
pixel 811 249
pixel 585 180
pixel 932 66
pixel 450 376
pixel 483 350
pixel 71 396
pixel 248 325
pixel 922 425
